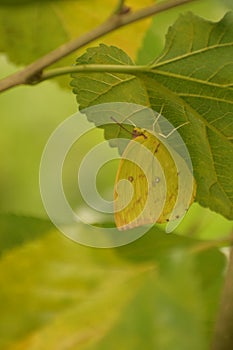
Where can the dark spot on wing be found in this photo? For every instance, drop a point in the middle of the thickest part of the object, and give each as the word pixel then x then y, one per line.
pixel 156 149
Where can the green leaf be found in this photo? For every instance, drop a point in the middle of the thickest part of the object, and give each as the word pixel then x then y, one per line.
pixel 22 2
pixel 163 312
pixel 227 3
pixel 192 80
pixel 58 294
pixel 205 224
pixel 97 88
pixel 24 31
pixel 32 28
pixel 21 229
pixel 203 86
pixel 147 51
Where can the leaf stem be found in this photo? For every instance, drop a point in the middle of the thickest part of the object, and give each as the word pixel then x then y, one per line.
pixel 121 8
pixel 223 336
pixel 32 74
pixel 93 68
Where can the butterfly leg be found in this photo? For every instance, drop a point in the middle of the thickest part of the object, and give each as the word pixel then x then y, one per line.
pixel 158 116
pixel 173 130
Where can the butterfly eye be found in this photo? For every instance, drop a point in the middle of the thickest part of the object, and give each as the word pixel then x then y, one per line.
pixel 130 178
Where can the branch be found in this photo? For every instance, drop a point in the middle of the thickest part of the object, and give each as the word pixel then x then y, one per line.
pixel 32 74
pixel 223 337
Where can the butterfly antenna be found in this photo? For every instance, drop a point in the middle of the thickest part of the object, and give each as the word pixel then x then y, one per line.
pixel 120 124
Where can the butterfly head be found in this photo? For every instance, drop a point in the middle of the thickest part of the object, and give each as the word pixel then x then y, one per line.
pixel 138 132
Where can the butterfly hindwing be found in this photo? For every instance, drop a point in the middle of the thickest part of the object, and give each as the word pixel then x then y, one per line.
pixel 146 186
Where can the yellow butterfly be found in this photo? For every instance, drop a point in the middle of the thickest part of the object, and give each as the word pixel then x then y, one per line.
pixel 147 186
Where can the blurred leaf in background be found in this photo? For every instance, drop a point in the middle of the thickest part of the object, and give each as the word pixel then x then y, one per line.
pixel 33 28
pixel 56 294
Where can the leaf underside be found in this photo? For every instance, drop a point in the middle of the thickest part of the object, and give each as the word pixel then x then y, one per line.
pixel 192 80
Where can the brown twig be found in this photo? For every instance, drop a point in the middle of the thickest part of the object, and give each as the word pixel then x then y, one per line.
pixel 32 74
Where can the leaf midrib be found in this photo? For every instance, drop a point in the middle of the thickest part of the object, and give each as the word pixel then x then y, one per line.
pixel 189 54
pixel 190 79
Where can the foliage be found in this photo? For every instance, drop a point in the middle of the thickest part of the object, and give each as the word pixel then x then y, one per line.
pixel 57 294
pixel 190 86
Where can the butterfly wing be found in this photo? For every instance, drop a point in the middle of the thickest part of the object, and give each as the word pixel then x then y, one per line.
pixel 146 187
pixel 140 189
